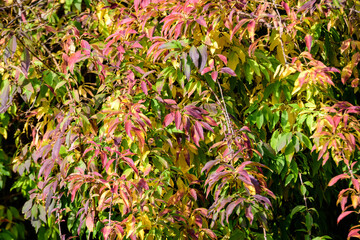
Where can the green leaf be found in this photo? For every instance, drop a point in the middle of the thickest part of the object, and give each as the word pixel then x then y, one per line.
pixel 299 208
pixel 171 45
pixel 303 189
pixel 284 139
pixel 288 179
pixel 308 221
pixel 254 66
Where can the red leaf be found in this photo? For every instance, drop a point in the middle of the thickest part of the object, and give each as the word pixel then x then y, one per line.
pixel 199 130
pixel 308 41
pixel 178 120
pixel 337 178
pixel 342 215
pixel 223 58
pixel 128 127
pixel 214 75
pixel 168 119
pixel 228 71
pixel 207 126
pixel 201 21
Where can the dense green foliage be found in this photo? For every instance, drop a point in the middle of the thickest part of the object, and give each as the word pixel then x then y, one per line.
pixel 168 119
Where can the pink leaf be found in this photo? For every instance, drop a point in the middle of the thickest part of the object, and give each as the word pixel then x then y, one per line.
pixel 308 41
pixel 128 127
pixel 228 71
pixel 199 130
pixel 201 21
pixel 354 233
pixel 131 163
pixel 106 232
pixel 168 119
pixel 286 7
pixel 223 58
pixel 342 215
pixel 170 101
pixel 214 75
pixel 356 184
pixel 144 87
pixel 56 149
pixel 193 193
pixel 90 222
pixel 337 178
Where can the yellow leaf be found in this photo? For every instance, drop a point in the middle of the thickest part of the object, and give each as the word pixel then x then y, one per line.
pixel 233 60
pixel 145 221
pixel 250 188
pixel 180 184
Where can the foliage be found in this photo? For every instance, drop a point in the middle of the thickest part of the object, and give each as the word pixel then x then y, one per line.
pixel 197 119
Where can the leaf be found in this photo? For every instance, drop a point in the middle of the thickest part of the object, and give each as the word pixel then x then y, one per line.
pixel 169 118
pixel 128 127
pixel 203 52
pixel 106 232
pixel 201 21
pixel 25 63
pixel 228 71
pixel 170 45
pixel 90 222
pixel 214 75
pixel 308 41
pixel 56 149
pixel 342 215
pixel 251 29
pixel 209 165
pixel 210 233
pixel 337 178
pixel 178 120
pixel 186 66
pixel 223 58
pixel 144 87
pixel 306 6
pixel 231 206
pixel 4 97
pixel 199 130
pixel 195 56
pixel 296 209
